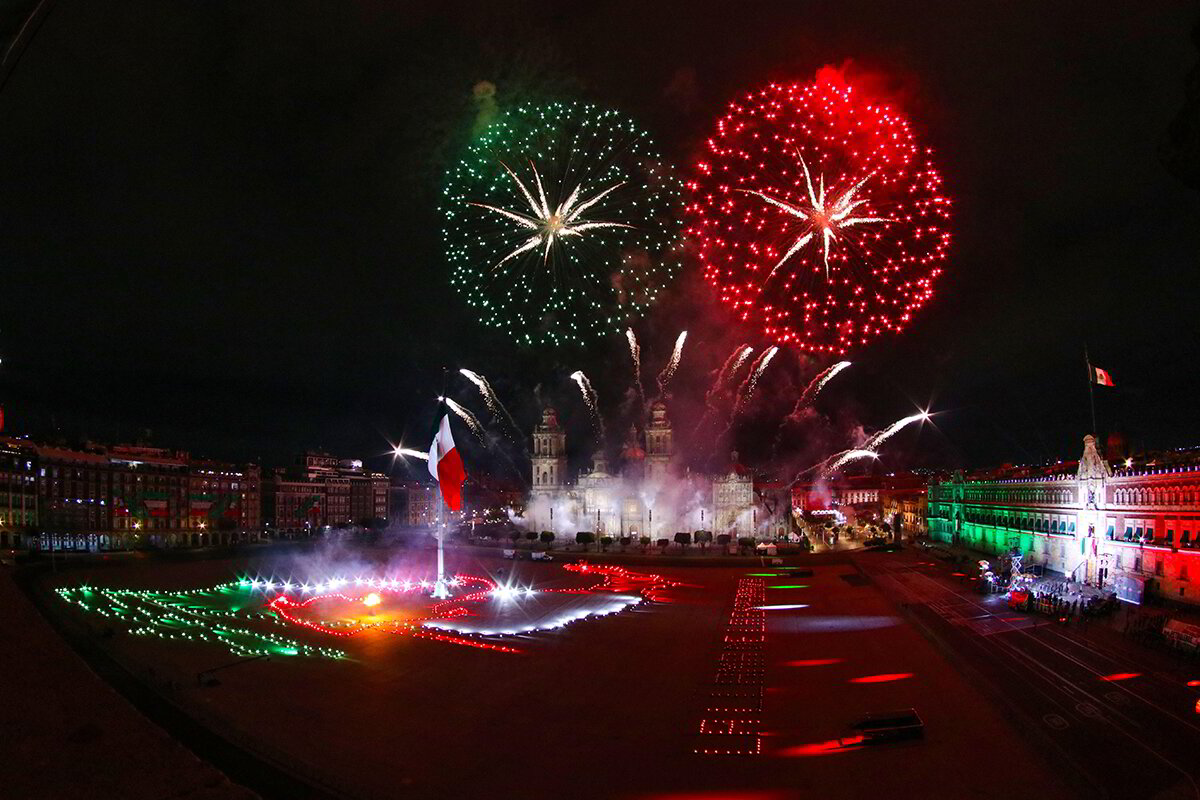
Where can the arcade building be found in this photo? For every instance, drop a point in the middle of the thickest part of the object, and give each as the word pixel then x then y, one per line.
pixel 1134 529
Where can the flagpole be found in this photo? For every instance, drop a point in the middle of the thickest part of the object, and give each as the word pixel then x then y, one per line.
pixel 439 587
pixel 1091 388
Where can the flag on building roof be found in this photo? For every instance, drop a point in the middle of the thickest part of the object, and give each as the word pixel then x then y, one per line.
pixel 1099 376
pixel 446 465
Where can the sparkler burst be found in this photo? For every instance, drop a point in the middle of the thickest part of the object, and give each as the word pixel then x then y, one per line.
pixel 845 457
pixel 668 371
pixel 407 452
pixel 756 373
pixel 741 359
pixel 635 353
pixel 817 384
pixel 560 223
pixel 492 400
pixel 875 441
pixel 818 216
pixel 466 416
pixel 590 399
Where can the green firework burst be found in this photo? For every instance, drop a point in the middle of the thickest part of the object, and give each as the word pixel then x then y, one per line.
pixel 561 223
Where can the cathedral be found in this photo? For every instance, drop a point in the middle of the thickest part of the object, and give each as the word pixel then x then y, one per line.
pixel 645 497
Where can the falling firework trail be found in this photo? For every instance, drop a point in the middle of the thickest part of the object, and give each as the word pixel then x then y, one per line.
pixel 410 453
pixel 731 365
pixel 591 399
pixel 741 359
pixel 806 398
pixel 887 433
pixel 635 353
pixel 756 373
pixel 493 402
pixel 746 391
pixel 489 397
pixel 467 417
pixel 846 457
pixel 668 371
pixel 817 384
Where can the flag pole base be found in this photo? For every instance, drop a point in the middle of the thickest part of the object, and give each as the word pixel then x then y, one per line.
pixel 440 591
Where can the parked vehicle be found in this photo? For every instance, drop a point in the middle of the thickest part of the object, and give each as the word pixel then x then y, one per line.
pixel 885 726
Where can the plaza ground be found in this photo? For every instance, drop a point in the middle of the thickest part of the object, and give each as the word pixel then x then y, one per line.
pixel 611 707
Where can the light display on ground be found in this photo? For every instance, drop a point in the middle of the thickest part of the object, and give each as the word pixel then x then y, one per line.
pixel 246 615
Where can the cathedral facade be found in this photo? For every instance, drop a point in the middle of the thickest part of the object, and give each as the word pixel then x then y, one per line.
pixel 645 496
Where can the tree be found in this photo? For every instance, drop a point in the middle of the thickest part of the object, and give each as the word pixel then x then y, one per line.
pixel 663 542
pixel 531 535
pixel 745 542
pixel 683 539
pixel 723 539
pixel 547 537
pixel 703 538
pixel 605 542
pixel 626 541
pixel 585 538
pixel 645 542
pixel 515 536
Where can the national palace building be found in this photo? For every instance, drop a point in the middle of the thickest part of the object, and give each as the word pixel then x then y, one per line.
pixel 1133 529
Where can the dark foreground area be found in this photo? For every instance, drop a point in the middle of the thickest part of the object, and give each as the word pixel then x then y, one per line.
pixel 772 664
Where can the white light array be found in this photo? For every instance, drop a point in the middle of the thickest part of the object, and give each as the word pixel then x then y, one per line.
pixel 333 584
pixel 620 603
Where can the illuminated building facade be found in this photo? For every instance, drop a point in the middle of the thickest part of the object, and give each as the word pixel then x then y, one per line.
pixel 1133 529
pixel 642 498
pixel 322 491
pixel 18 493
pixel 423 500
pixel 120 497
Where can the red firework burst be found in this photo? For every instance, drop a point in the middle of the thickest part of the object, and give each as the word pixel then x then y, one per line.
pixel 817 215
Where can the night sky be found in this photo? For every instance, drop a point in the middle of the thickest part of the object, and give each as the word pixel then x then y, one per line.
pixel 218 220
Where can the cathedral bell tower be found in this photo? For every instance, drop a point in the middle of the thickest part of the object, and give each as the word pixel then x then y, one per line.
pixel 658 442
pixel 549 452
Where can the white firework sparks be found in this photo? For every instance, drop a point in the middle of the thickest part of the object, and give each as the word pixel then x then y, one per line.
pixel 590 399
pixel 818 383
pixel 846 457
pixel 635 352
pixel 550 224
pixel 493 402
pixel 407 452
pixel 825 216
pixel 669 370
pixel 741 359
pixel 759 367
pixel 485 389
pixel 466 416
pixel 887 433
pixel 750 384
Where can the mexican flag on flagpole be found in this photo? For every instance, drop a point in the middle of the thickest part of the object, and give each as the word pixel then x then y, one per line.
pixel 446 466
pixel 1099 376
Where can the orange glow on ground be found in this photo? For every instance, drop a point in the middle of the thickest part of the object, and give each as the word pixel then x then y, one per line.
pixel 812 662
pixel 1120 676
pixel 885 677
